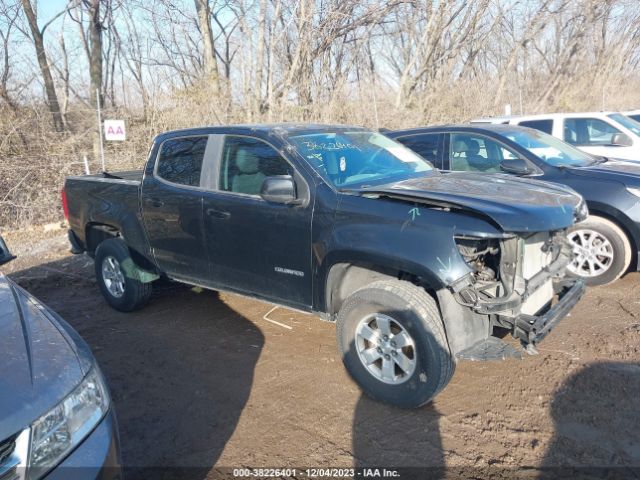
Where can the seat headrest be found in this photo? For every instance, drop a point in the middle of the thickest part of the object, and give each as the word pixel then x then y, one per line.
pixel 473 147
pixel 247 162
pixel 459 146
pixel 331 163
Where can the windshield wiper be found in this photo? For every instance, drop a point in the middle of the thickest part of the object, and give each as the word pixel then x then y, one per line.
pixel 599 160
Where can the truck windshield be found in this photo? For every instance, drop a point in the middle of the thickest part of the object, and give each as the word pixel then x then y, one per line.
pixel 550 149
pixel 626 122
pixel 359 157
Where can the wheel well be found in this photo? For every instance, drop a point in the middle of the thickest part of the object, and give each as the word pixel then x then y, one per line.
pixel 96 233
pixel 346 278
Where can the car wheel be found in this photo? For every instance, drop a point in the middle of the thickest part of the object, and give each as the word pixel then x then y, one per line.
pixel 116 275
pixel 602 251
pixel 393 343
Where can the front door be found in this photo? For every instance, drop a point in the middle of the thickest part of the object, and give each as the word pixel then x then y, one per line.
pixel 255 246
pixel 595 136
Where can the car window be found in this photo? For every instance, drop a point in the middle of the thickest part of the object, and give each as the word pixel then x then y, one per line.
pixel 475 153
pixel 427 145
pixel 588 131
pixel 547 148
pixel 626 122
pixel 545 125
pixel 180 160
pixel 246 162
pixel 635 117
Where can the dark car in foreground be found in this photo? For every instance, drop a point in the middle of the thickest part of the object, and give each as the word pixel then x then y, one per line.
pixel 56 417
pixel 607 242
pixel 418 269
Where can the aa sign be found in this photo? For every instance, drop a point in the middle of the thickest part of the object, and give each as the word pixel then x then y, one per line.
pixel 114 130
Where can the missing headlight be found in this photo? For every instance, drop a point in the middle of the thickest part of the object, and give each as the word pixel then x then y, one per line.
pixel 482 255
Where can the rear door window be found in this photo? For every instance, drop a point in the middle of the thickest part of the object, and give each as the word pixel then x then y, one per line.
pixel 544 125
pixel 588 131
pixel 427 145
pixel 180 160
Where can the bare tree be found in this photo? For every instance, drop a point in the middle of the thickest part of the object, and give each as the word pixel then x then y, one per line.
pixel 37 35
pixel 212 77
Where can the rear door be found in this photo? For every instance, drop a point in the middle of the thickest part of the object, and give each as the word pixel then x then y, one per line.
pixel 255 246
pixel 172 208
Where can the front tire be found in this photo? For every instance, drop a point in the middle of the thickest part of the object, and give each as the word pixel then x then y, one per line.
pixel 117 279
pixel 393 343
pixel 602 251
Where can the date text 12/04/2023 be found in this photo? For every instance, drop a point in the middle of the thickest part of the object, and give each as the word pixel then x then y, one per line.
pixel 316 472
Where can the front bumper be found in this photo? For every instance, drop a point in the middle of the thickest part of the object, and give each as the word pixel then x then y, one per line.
pixel 97 457
pixel 530 329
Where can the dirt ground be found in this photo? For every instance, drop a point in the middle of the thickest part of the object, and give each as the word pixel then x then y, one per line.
pixel 200 379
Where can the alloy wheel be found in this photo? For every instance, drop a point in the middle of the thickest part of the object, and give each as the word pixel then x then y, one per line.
pixel 112 276
pixel 385 348
pixel 593 253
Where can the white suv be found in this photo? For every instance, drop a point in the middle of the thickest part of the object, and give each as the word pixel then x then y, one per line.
pixel 607 134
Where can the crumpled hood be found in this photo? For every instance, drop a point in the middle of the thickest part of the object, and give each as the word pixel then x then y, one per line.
pixel 515 204
pixel 41 361
pixel 619 170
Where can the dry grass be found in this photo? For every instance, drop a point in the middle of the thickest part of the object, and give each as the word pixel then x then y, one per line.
pixel 34 160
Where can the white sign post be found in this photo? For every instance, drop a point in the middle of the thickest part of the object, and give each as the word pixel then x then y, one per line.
pixel 114 130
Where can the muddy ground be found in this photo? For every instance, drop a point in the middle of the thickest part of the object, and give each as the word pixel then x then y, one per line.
pixel 202 380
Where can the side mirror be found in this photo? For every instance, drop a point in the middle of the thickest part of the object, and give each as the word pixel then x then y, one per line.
pixel 5 254
pixel 621 140
pixel 279 189
pixel 516 166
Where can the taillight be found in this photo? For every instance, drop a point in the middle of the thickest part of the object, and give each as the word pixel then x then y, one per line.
pixel 65 205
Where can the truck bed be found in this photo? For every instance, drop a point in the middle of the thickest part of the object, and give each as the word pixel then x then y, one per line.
pixel 130 175
pixel 103 200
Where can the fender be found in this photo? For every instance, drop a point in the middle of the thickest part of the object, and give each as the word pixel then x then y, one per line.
pixel 385 266
pixel 121 216
pixel 607 211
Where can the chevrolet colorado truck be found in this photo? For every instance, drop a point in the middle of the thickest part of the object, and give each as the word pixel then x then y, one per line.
pixel 418 268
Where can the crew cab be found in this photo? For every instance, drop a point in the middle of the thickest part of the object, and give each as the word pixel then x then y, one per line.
pixel 419 269
pixel 606 244
pixel 607 134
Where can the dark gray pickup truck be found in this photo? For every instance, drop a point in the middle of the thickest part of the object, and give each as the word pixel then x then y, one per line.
pixel 418 268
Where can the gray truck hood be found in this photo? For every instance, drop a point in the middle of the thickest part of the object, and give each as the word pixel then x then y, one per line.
pixel 42 360
pixel 514 204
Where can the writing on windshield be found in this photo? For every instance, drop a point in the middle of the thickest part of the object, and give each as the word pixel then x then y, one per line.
pixel 359 157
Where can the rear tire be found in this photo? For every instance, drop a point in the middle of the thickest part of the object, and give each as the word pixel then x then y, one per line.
pixel 603 251
pixel 117 279
pixel 398 323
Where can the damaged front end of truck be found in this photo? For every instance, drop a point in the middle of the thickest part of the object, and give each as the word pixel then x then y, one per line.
pixel 517 284
pixel 516 280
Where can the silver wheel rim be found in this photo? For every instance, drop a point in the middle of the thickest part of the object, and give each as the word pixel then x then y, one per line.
pixel 385 348
pixel 593 253
pixel 112 276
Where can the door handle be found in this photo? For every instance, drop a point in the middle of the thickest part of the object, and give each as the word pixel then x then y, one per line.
pixel 212 212
pixel 154 202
